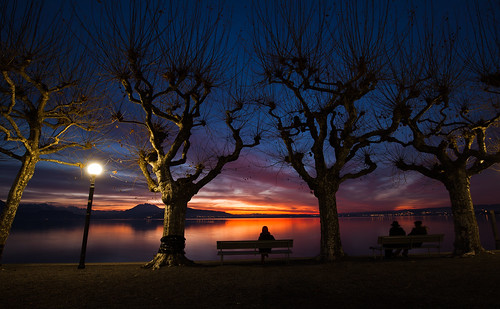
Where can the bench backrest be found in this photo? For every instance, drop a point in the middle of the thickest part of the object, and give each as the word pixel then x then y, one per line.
pixel 389 240
pixel 411 239
pixel 255 244
pixel 426 238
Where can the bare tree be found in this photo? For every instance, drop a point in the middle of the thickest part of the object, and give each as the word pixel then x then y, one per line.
pixel 449 129
pixel 171 60
pixel 46 102
pixel 324 64
pixel 483 44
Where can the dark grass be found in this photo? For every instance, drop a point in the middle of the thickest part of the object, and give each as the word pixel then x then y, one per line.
pixel 416 282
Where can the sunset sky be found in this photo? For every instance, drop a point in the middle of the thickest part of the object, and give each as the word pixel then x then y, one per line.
pixel 246 187
pixel 253 184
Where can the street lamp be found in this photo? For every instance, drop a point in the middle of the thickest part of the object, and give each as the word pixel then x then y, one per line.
pixel 93 169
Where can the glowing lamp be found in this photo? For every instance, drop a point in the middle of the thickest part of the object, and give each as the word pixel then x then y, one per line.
pixel 94 169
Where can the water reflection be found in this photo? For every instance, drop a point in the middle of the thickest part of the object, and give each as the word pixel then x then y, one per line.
pixel 138 240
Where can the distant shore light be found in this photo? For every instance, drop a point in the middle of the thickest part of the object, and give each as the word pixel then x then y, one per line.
pixel 94 169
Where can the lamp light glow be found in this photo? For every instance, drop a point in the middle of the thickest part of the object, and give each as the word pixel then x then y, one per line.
pixel 94 169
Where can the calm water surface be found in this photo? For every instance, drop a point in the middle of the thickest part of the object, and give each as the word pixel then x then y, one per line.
pixel 138 241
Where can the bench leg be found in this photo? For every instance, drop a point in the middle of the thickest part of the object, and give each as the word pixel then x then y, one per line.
pixel 222 259
pixel 377 253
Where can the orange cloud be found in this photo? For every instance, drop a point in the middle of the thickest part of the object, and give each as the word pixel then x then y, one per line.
pixel 404 207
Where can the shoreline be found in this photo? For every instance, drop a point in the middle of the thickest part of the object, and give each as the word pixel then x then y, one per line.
pixel 415 282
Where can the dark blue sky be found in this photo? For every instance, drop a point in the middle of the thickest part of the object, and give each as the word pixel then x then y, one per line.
pixel 252 184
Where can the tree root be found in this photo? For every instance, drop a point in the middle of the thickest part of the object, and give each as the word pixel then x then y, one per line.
pixel 165 259
pixel 468 254
pixel 473 253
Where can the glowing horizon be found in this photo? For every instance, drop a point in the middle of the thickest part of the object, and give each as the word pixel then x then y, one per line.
pixel 233 192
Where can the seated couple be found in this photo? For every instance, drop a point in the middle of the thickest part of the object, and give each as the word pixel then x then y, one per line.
pixel 397 230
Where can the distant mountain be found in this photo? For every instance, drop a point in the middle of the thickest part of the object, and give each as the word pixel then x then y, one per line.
pixel 45 212
pixel 142 211
pixel 49 212
pixel 192 213
pixel 197 213
pixel 155 212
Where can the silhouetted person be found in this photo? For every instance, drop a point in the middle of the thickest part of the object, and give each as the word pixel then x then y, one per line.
pixel 265 235
pixel 419 229
pixel 395 230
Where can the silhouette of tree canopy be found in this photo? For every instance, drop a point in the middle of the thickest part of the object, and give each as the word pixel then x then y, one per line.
pixel 173 63
pixel 323 65
pixel 48 103
pixel 450 128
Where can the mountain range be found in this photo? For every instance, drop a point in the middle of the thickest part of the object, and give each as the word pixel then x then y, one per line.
pixel 142 211
pixel 46 211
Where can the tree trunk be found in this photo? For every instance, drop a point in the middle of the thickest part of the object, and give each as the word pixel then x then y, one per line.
pixel 467 241
pixel 331 246
pixel 171 252
pixel 24 175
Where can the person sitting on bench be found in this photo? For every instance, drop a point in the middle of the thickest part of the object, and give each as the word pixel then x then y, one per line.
pixel 395 230
pixel 265 235
pixel 419 229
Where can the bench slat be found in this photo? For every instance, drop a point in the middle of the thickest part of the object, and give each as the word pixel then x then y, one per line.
pixel 410 239
pixel 426 238
pixel 242 247
pixel 390 240
pixel 250 244
pixel 252 252
pixel 407 242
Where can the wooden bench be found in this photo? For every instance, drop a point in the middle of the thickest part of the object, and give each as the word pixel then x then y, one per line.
pixel 251 247
pixel 408 242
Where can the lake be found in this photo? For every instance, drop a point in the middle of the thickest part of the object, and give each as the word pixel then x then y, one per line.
pixel 138 240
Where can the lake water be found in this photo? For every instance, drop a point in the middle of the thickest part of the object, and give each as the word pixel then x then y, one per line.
pixel 138 241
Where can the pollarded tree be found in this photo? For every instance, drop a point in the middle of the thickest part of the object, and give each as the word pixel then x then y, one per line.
pixel 46 100
pixel 171 62
pixel 483 44
pixel 449 131
pixel 324 64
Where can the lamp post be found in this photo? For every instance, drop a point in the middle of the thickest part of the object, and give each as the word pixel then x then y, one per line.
pixel 93 169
